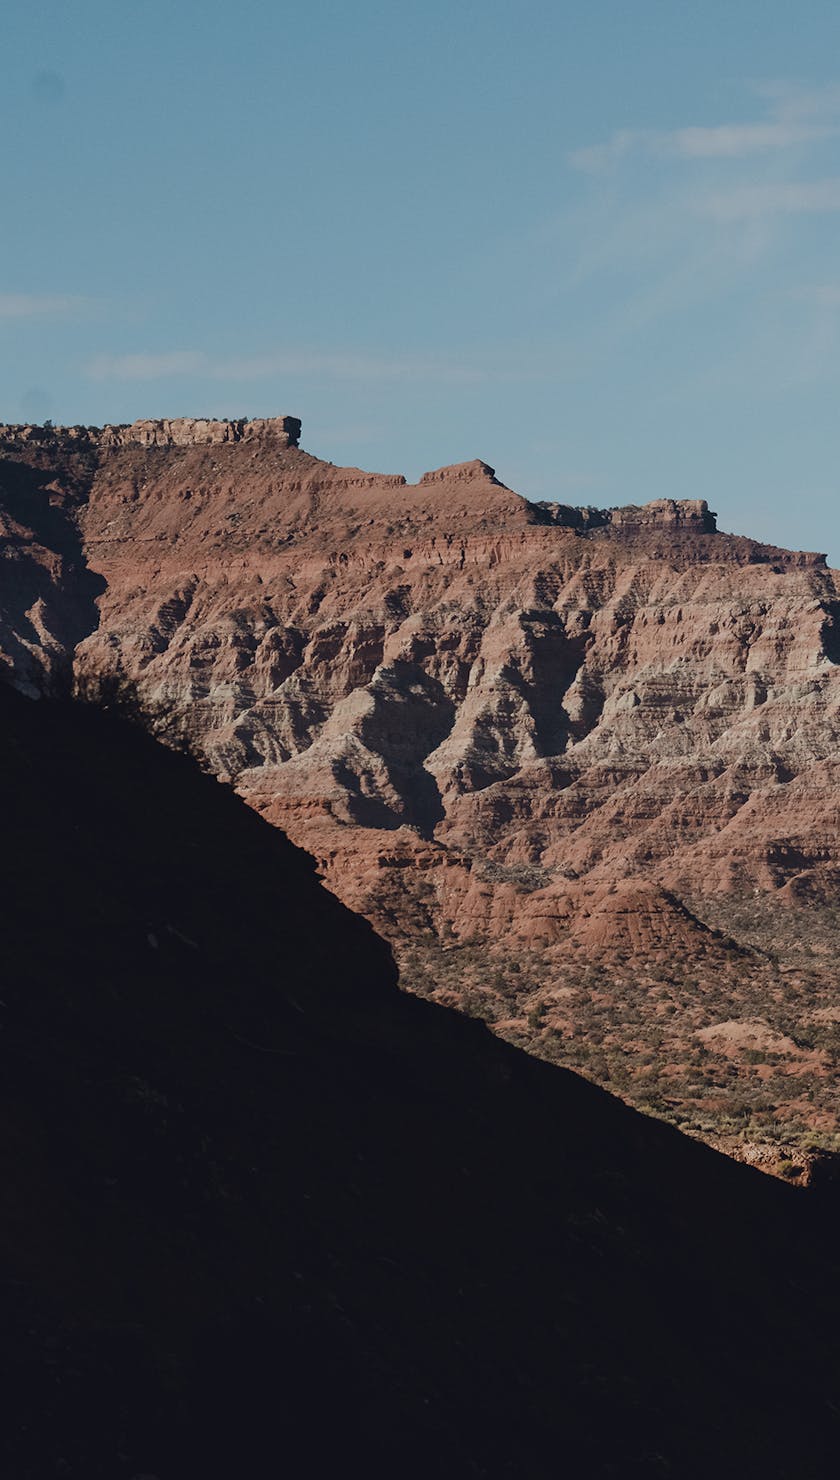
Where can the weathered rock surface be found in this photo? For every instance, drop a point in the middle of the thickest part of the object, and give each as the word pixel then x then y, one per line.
pixel 498 726
pixel 265 1215
pixel 192 432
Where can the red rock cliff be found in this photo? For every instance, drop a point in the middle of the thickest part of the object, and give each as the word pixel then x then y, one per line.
pixel 497 726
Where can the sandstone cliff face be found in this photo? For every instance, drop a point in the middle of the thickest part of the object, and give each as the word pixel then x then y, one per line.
pixel 47 590
pixel 500 728
pixel 247 1184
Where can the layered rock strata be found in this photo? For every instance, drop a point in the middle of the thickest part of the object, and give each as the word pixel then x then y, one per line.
pixel 508 732
pixel 265 1215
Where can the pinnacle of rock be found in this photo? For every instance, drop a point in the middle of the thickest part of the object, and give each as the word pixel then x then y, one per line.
pixel 465 472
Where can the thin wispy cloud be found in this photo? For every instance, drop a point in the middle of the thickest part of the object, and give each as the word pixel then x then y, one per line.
pixel 718 141
pixel 738 140
pixel 756 175
pixel 728 220
pixel 169 364
pixel 782 198
pixel 173 364
pixel 39 305
pixel 799 116
pixel 797 100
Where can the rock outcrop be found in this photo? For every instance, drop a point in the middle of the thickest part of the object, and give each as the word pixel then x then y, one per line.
pixel 263 1214
pixel 192 432
pixel 510 733
pixel 185 431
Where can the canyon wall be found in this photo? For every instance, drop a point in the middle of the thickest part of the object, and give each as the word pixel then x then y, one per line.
pixel 579 766
pixel 248 1185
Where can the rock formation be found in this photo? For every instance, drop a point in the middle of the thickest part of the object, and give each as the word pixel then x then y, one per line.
pixel 579 766
pixel 263 1214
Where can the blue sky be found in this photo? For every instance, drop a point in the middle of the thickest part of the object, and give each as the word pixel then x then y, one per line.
pixel 596 244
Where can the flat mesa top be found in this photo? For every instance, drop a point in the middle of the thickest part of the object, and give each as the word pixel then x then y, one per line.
pixel 184 431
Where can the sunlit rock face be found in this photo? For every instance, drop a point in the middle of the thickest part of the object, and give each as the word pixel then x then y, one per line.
pixel 498 726
pixel 248 1184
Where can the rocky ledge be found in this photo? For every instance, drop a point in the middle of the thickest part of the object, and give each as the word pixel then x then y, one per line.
pixel 191 432
pixel 691 515
pixel 184 431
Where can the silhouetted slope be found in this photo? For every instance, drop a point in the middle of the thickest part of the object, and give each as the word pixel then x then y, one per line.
pixel 264 1216
pixel 563 759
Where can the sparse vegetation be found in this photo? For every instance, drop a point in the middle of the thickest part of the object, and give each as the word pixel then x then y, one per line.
pixel 632 1027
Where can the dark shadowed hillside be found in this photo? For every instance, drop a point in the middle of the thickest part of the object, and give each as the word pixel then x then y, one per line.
pixel 266 1216
pixel 578 766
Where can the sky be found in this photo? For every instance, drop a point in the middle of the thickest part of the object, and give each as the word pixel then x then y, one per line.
pixel 597 245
